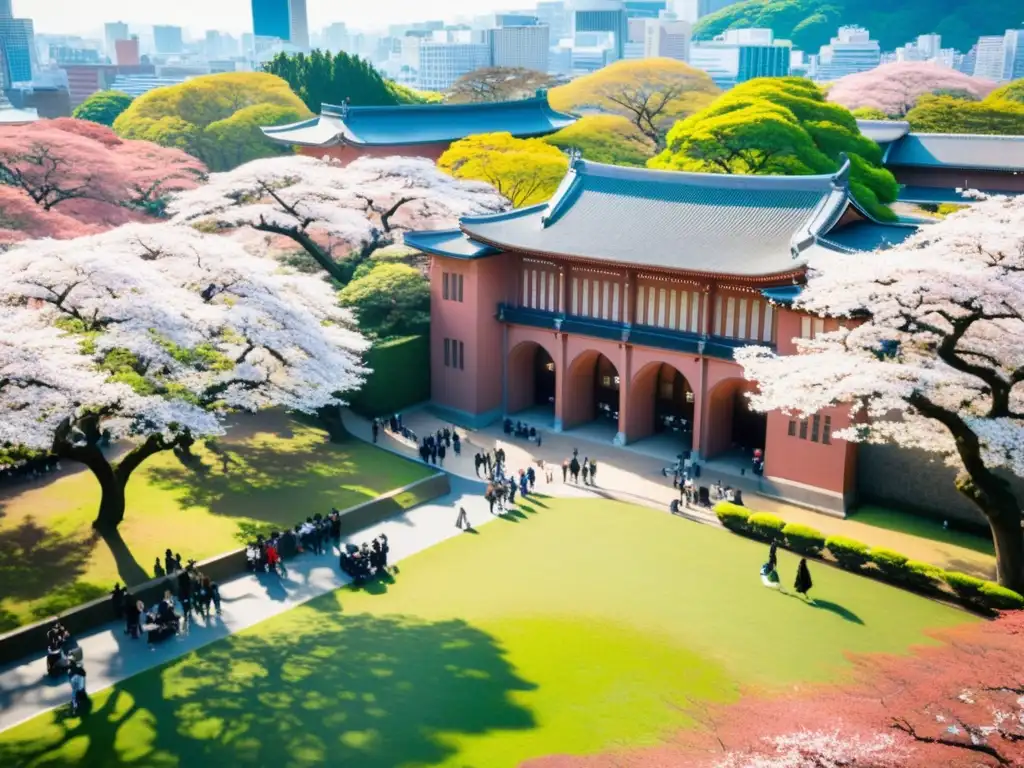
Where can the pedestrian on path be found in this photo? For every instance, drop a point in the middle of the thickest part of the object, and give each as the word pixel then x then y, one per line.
pixel 565 471
pixel 585 469
pixel 803 582
pixel 375 427
pixel 574 469
pixel 441 452
pixel 593 472
pixel 462 522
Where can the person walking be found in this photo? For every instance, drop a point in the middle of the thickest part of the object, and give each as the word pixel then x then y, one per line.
pixel 462 522
pixel 585 469
pixel 803 582
pixel 565 471
pixel 441 452
pixel 773 559
pixel 593 472
pixel 375 428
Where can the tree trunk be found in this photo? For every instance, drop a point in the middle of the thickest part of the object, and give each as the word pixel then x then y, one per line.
pixel 112 503
pixel 1009 542
pixel 330 418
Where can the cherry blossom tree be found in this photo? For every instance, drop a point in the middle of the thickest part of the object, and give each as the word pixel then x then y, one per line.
pixel 361 207
pixel 895 88
pixel 938 362
pixel 86 174
pixel 173 329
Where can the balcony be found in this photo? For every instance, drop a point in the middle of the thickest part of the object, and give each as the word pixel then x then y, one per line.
pixel 644 335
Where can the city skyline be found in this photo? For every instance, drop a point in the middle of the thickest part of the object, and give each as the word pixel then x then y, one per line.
pixel 235 16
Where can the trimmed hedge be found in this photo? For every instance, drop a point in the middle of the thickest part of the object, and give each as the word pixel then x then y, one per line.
pixel 400 376
pixel 854 555
pixel 890 563
pixel 849 553
pixel 766 526
pixel 804 539
pixel 733 516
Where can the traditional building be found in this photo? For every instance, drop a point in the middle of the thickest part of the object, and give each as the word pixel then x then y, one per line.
pixel 422 130
pixel 625 296
pixel 931 167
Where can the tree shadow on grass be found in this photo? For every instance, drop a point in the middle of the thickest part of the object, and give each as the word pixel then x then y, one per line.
pixel 128 567
pixel 317 687
pixel 34 560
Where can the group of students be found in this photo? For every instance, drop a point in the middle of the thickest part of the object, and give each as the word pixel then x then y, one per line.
pixel 521 429
pixel 572 468
pixel 64 656
pixel 367 561
pixel 196 592
pixel 434 448
pixel 770 575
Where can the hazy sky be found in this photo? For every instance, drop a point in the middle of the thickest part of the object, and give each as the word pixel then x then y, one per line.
pixel 235 16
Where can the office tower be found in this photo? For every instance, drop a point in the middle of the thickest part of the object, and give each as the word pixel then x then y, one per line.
pixel 555 15
pixel 112 32
pixel 525 47
pixel 645 9
pixel 740 55
pixel 515 20
pixel 1013 54
pixel 167 39
pixel 17 43
pixel 336 37
pixel 446 58
pixel 298 28
pixel 126 52
pixel 851 51
pixel 666 39
pixel 989 61
pixel 601 16
pixel 281 19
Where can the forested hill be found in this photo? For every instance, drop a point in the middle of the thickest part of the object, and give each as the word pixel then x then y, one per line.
pixel 811 23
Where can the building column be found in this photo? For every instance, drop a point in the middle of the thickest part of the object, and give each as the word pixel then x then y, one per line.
pixel 629 296
pixel 504 370
pixel 700 409
pixel 561 380
pixel 625 371
pixel 563 290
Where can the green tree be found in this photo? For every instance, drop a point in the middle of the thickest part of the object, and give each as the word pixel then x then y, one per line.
pixel 320 78
pixel 390 300
pixel 238 139
pixel 870 113
pixel 780 126
pixel 196 115
pixel 652 93
pixel 606 139
pixel 103 107
pixel 1010 92
pixel 526 171
pixel 946 114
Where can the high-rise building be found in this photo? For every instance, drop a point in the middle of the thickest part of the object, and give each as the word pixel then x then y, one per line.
pixel 707 7
pixel 601 16
pixel 852 50
pixel 667 39
pixel 112 32
pixel 515 20
pixel 284 20
pixel 1013 54
pixel 442 62
pixel 6 11
pixel 126 52
pixel 740 55
pixel 555 14
pixel 17 44
pixel 336 37
pixel 989 61
pixel 298 27
pixel 525 47
pixel 167 39
pixel 645 9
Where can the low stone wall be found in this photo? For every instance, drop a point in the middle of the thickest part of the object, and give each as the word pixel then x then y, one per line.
pixel 31 640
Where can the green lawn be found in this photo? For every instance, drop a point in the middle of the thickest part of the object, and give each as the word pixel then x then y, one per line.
pixel 923 527
pixel 574 627
pixel 278 472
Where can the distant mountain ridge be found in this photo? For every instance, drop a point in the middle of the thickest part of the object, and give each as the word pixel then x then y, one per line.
pixel 812 23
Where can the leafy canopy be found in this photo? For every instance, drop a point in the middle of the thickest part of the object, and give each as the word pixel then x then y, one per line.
pixel 526 171
pixel 182 115
pixel 652 93
pixel 498 84
pixel 103 107
pixel 812 23
pixel 390 300
pixel 605 139
pixel 895 88
pixel 780 126
pixel 1000 113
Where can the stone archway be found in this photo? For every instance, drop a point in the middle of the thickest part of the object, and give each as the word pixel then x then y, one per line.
pixel 731 423
pixel 661 399
pixel 592 390
pixel 532 377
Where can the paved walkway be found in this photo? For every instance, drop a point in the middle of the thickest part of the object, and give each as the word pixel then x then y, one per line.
pixel 110 656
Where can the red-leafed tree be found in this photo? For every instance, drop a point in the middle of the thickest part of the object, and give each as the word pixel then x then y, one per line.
pixel 959 704
pixel 82 178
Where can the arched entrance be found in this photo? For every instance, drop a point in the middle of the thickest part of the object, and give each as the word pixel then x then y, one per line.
pixel 662 404
pixel 531 379
pixel 593 391
pixel 732 425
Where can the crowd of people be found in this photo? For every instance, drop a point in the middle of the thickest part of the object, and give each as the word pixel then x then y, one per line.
pixel 573 469
pixel 521 430
pixel 434 447
pixel 367 561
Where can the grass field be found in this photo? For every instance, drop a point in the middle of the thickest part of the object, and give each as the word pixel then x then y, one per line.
pixel 278 472
pixel 572 627
pixel 925 528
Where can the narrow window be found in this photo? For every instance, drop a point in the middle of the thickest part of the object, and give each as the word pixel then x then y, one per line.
pixel 640 305
pixel 803 429
pixel 815 427
pixel 767 335
pixel 444 285
pixel 718 316
pixel 672 309
pixel 533 289
pixel 615 303
pixel 447 352
pixel 730 317
pixel 652 299
pixel 552 304
pixel 741 332
pixel 597 299
pixel 662 306
pixel 575 296
pixel 585 310
pixel 805 328
pixel 462 357
pixel 695 313
pixel 819 326
pixel 792 427
pixel 684 310
pixel 755 317
pixel 460 287
pixel 543 292
pixel 606 301
pixel 526 287
pixel 826 436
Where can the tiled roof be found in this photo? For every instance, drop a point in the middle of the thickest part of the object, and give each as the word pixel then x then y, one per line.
pixel 695 222
pixel 422 123
pixel 447 242
pixel 868 236
pixel 884 131
pixel 969 152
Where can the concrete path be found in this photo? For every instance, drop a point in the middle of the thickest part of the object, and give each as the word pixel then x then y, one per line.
pixel 111 656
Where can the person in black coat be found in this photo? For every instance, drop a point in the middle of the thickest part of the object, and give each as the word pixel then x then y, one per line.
pixel 441 452
pixel 802 585
pixel 773 559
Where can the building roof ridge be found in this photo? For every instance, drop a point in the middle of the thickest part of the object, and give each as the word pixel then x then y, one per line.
pixel 341 110
pixel 589 168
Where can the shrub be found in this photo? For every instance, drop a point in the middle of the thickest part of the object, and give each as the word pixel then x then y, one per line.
pixel 400 377
pixel 766 526
pixel 733 516
pixel 924 576
pixel 849 553
pixel 967 587
pixel 893 565
pixel 803 539
pixel 1000 598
